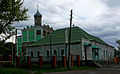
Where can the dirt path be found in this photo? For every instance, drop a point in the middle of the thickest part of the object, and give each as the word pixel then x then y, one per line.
pixel 105 70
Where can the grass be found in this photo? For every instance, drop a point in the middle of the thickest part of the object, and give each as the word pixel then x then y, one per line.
pixel 12 71
pixel 46 68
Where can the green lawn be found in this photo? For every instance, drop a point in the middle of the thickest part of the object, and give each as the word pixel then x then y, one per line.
pixel 13 71
pixel 40 71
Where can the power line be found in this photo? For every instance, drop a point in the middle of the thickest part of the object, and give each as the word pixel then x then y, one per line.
pixel 88 24
pixel 56 22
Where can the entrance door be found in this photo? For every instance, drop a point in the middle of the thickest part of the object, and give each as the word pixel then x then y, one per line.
pixel 95 53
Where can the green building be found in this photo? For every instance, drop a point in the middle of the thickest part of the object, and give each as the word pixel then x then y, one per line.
pixel 31 34
pixel 89 47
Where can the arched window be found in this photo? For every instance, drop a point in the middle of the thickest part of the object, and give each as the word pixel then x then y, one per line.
pixel 47 53
pixel 38 32
pixel 38 53
pixel 104 53
pixel 55 52
pixel 44 33
pixel 48 33
pixel 62 52
pixel 31 54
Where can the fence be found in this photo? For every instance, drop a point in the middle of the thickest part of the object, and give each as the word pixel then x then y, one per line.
pixel 52 61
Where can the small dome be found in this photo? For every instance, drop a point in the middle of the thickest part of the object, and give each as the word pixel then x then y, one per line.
pixel 37 14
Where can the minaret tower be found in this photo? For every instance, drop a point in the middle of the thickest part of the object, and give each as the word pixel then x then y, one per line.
pixel 38 18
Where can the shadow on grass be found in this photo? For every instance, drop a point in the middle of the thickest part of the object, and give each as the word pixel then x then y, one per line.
pixel 48 68
pixel 36 70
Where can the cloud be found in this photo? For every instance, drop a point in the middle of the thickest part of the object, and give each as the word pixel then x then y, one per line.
pixel 97 17
pixel 112 3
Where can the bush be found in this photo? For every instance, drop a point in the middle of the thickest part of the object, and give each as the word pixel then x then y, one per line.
pixel 6 64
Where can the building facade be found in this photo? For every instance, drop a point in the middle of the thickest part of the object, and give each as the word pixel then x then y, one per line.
pixel 32 34
pixel 87 46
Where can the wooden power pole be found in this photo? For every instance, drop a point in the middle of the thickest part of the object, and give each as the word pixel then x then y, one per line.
pixel 69 53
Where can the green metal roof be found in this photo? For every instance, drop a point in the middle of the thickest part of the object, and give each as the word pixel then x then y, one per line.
pixel 58 36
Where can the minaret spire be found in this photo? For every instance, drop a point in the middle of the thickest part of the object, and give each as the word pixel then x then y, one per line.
pixel 38 17
pixel 37 7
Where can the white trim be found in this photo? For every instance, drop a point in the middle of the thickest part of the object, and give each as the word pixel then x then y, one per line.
pixel 27 36
pixel 66 36
pixel 22 38
pixel 35 34
pixel 41 32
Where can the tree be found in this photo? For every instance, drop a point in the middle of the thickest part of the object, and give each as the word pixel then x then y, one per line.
pixel 9 46
pixel 11 11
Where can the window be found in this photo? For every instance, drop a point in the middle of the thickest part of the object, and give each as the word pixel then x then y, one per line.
pixel 38 32
pixel 47 54
pixel 44 33
pixel 38 53
pixel 31 54
pixel 62 52
pixel 55 52
pixel 104 53
pixel 48 32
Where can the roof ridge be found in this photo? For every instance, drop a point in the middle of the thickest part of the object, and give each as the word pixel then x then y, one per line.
pixel 67 28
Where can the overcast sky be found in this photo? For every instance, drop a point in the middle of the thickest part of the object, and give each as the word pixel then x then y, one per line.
pixel 100 18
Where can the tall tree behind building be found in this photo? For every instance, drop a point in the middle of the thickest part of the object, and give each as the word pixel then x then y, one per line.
pixel 11 11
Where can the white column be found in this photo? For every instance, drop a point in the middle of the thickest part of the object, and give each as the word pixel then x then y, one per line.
pixel 41 32
pixel 27 36
pixel 66 36
pixel 22 36
pixel 35 34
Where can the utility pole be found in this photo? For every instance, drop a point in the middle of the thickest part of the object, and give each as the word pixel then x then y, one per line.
pixel 69 53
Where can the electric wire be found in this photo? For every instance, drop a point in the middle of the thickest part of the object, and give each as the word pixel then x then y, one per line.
pixel 89 26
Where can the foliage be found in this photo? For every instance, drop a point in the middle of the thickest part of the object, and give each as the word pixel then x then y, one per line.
pixel 10 45
pixel 5 47
pixel 11 11
pixel 6 64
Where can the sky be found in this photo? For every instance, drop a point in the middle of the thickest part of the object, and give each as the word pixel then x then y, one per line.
pixel 97 17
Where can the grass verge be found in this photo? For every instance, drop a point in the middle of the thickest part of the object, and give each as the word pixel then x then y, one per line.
pixel 40 71
pixel 12 71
